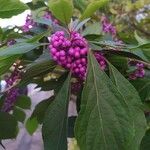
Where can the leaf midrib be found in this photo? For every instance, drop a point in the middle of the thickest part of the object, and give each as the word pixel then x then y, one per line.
pixel 97 101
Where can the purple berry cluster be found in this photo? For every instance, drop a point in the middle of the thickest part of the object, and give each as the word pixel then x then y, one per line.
pixel 70 52
pixel 12 93
pixel 107 27
pixel 101 60
pixel 48 16
pixel 29 24
pixel 139 72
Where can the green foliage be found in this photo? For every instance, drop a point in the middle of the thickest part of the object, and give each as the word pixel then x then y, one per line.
pixel 38 67
pixel 79 4
pixel 145 144
pixel 53 84
pixel 133 101
pixel 55 122
pixel 92 7
pixel 143 86
pixel 62 10
pixel 31 125
pixel 105 109
pixel 111 113
pixel 10 8
pixel 8 126
pixel 23 102
pixel 6 63
pixel 40 109
pixel 19 114
pixel 19 48
pixel 92 29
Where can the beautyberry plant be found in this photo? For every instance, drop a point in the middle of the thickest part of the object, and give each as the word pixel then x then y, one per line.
pixel 94 56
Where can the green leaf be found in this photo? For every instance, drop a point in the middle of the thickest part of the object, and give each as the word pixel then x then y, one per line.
pixel 23 102
pixel 54 84
pixel 71 123
pixel 9 8
pixel 40 109
pixel 44 21
pixel 146 52
pixel 133 100
pixel 139 39
pixel 38 67
pixel 105 120
pixel 19 48
pixel 145 144
pixel 55 122
pixel 143 88
pixel 143 46
pixel 6 63
pixel 8 126
pixel 62 10
pixel 92 7
pixel 128 54
pixel 38 37
pixel 79 4
pixel 92 29
pixel 121 63
pixel 36 4
pixel 124 54
pixel 19 114
pixel 76 25
pixel 31 125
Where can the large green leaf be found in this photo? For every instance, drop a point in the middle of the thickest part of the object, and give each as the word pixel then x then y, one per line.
pixel 105 120
pixel 9 8
pixel 19 48
pixel 55 123
pixel 92 7
pixel 133 100
pixel 8 126
pixel 62 10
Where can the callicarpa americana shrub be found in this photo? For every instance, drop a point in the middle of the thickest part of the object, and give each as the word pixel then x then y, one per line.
pixel 95 52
